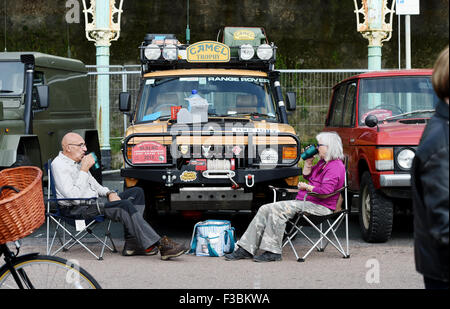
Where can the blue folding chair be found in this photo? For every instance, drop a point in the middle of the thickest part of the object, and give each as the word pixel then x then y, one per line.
pixel 68 224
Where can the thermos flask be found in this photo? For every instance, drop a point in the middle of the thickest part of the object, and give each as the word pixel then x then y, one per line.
pixel 309 152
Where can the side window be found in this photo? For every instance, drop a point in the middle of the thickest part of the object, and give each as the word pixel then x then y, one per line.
pixel 337 106
pixel 349 106
pixel 38 80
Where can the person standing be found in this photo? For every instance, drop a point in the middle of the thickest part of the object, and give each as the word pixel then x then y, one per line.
pixel 430 185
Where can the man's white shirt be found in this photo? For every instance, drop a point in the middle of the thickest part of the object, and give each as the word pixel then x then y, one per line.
pixel 72 182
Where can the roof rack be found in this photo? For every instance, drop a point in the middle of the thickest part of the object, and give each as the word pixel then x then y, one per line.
pixel 241 48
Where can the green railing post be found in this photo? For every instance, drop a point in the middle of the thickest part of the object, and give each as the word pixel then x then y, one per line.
pixel 104 28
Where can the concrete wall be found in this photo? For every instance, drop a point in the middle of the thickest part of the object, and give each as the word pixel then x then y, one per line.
pixel 308 33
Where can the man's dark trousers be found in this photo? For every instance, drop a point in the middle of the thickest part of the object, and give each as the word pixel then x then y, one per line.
pixel 128 211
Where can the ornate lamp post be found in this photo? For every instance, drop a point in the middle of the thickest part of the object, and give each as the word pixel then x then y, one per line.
pixel 102 20
pixel 374 27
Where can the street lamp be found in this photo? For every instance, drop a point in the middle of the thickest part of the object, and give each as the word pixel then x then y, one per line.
pixel 102 21
pixel 374 27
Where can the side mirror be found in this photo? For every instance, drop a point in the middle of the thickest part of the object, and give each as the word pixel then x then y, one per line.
pixel 124 102
pixel 291 100
pixel 371 121
pixel 42 96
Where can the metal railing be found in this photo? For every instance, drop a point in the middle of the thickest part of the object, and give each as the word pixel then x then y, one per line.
pixel 313 88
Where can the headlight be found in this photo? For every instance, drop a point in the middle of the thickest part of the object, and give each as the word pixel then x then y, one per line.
pixel 405 158
pixel 246 52
pixel 264 52
pixel 152 52
pixel 170 52
pixel 269 156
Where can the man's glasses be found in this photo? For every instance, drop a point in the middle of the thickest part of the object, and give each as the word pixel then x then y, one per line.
pixel 81 145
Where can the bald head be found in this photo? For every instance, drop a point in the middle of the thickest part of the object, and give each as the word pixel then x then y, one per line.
pixel 73 146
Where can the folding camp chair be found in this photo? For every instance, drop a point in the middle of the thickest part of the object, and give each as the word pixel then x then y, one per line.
pixel 301 220
pixel 68 224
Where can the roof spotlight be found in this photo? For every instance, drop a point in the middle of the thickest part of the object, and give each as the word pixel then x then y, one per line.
pixel 246 52
pixel 170 52
pixel 264 52
pixel 152 52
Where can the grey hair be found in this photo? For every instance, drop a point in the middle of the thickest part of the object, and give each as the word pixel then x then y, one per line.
pixel 334 143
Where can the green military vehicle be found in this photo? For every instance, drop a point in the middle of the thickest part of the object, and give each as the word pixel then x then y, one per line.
pixel 42 97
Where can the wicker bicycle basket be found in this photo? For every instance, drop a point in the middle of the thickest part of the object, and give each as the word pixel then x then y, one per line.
pixel 21 213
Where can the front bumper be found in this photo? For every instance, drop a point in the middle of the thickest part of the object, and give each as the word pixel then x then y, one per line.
pixel 395 180
pixel 174 177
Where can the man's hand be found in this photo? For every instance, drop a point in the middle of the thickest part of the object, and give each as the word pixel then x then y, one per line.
pixel 87 162
pixel 112 197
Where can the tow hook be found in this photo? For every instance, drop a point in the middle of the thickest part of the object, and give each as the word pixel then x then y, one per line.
pixel 234 186
pixel 250 180
pixel 169 178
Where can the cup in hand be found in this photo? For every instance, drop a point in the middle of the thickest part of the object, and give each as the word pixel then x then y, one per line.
pixel 97 164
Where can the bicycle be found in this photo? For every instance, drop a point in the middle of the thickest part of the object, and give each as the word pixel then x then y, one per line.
pixel 34 271
pixel 21 212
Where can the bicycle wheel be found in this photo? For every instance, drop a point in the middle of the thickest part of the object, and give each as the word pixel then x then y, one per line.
pixel 46 272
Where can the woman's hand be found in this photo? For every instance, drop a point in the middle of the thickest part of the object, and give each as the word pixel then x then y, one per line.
pixel 307 166
pixel 305 186
pixel 309 162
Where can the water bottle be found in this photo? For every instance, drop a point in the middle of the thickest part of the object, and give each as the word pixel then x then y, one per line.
pixel 194 94
pixel 310 151
pixel 97 164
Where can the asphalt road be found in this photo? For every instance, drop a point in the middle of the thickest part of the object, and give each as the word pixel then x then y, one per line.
pixel 387 265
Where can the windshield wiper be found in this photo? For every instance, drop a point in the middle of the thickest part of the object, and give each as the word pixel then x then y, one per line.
pixel 409 113
pixel 254 114
pixel 6 91
pixel 163 81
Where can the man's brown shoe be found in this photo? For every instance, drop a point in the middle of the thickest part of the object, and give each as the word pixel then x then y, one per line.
pixel 131 248
pixel 169 248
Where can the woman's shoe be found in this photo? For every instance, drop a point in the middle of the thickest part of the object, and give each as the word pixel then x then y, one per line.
pixel 267 257
pixel 239 254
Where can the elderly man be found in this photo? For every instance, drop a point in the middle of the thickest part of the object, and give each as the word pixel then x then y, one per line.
pixel 73 180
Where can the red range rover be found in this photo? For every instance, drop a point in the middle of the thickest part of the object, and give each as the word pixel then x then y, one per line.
pixel 380 117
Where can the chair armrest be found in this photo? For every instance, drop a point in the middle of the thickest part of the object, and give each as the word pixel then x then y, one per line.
pixel 323 196
pixel 73 199
pixel 287 190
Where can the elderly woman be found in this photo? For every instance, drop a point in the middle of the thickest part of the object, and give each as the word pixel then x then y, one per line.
pixel 266 230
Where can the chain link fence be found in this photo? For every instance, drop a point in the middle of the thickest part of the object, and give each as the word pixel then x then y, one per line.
pixel 313 88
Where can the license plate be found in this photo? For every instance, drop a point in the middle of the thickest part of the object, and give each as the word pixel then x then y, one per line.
pixel 149 152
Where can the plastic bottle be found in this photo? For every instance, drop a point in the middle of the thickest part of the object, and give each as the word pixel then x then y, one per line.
pixel 194 95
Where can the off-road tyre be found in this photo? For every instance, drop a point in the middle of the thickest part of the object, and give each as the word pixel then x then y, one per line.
pixel 376 212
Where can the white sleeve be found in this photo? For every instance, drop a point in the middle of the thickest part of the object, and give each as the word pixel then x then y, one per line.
pixel 69 184
pixel 98 187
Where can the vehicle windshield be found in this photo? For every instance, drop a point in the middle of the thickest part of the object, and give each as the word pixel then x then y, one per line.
pixel 394 98
pixel 228 96
pixel 11 78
